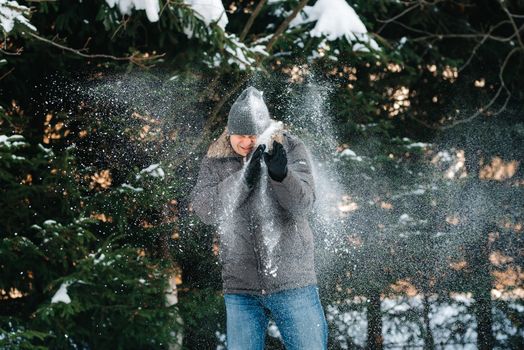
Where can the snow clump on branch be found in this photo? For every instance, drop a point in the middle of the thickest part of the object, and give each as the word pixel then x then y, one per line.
pixel 209 11
pixel 125 7
pixel 11 13
pixel 336 19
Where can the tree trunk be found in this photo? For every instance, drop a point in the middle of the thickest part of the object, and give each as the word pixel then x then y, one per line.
pixel 375 340
pixel 429 342
pixel 483 305
pixel 481 220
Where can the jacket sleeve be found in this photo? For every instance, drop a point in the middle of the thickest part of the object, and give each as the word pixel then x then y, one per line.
pixel 212 199
pixel 296 193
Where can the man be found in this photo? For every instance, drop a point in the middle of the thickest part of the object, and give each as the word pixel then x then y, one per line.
pixel 260 202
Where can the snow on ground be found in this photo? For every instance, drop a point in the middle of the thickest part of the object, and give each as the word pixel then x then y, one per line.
pixel 349 325
pixel 452 323
pixel 221 337
pixel 404 219
pixel 421 189
pixel 336 19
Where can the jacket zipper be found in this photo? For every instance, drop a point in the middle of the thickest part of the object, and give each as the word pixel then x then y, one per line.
pixel 255 249
pixel 257 256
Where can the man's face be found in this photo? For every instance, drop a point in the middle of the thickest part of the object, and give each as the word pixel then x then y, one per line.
pixel 243 144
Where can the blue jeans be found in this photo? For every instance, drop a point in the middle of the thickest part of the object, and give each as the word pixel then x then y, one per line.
pixel 297 313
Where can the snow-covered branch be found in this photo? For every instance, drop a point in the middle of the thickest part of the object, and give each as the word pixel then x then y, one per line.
pixel 12 14
pixel 125 7
pixel 336 19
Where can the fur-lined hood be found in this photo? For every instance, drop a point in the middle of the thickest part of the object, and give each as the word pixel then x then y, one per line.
pixel 221 147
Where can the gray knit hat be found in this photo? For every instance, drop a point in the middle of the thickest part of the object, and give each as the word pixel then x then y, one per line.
pixel 249 114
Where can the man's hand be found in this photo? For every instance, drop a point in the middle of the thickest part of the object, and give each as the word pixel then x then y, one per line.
pixel 252 174
pixel 276 162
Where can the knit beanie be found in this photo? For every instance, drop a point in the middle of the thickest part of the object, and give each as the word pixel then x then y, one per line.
pixel 249 114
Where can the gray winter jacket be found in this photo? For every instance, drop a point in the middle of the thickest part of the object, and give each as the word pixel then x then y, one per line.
pixel 266 244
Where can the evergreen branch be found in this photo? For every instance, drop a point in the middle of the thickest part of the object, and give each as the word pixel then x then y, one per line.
pixel 251 20
pixel 8 53
pixel 7 73
pixel 135 58
pixel 166 4
pixel 242 36
pixel 283 26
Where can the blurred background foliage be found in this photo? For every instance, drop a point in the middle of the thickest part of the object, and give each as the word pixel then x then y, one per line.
pixel 105 115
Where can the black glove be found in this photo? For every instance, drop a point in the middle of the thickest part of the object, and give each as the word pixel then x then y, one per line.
pixel 252 174
pixel 276 162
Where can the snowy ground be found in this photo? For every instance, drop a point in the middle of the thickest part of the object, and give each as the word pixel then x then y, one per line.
pixel 452 323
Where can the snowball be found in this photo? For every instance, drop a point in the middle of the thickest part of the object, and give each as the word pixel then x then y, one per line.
pixel 265 137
